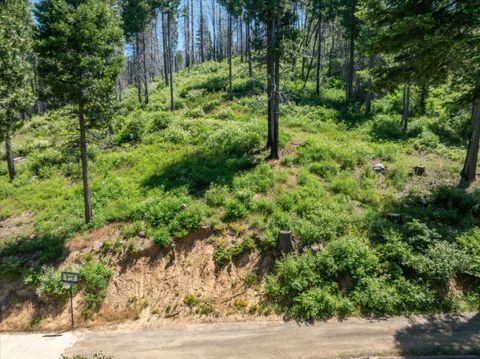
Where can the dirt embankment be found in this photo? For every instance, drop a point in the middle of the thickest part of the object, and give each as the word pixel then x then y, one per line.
pixel 148 284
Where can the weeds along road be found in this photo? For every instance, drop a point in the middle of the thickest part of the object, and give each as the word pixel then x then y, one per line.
pixel 332 339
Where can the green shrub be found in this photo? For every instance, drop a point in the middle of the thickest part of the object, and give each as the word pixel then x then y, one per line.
pixel 258 180
pixel 264 205
pixel 161 121
pixel 195 113
pixel 238 140
pixel 210 106
pixel 49 284
pixel 244 196
pixel 251 278
pixel 234 210
pixel 187 220
pixel 191 300
pixel 225 115
pixel 41 164
pixel 162 238
pixel 94 280
pixel 426 141
pixel 224 255
pixel 419 235
pixel 469 242
pixel 326 169
pixel 133 130
pixel 387 127
pixel 161 210
pixel 11 268
pixel 132 229
pixel 216 196
pixel 296 274
pixel 443 261
pixel 269 239
pixel 345 184
pixel 398 175
pixel 350 257
pixel 315 303
pixel 376 296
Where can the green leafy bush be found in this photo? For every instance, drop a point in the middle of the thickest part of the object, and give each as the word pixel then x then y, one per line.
pixel 234 210
pixel 94 280
pixel 326 169
pixel 133 130
pixel 11 268
pixel 224 255
pixel 162 238
pixel 216 196
pixel 161 121
pixel 315 303
pixel 49 284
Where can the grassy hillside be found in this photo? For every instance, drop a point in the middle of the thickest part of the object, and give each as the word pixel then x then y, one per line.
pixel 163 175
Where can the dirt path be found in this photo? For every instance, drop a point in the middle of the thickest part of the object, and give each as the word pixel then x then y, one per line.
pixel 332 339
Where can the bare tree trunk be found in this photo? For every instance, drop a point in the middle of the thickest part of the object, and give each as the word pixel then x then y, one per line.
pixel 214 30
pixel 230 40
pixel 9 154
pixel 310 63
pixel 85 175
pixel 351 58
pixel 240 23
pixel 305 43
pixel 202 27
pixel 270 82
pixel 187 34
pixel 276 111
pixel 137 68
pixel 330 56
pixel 249 51
pixel 165 50
pixel 145 73
pixel 319 57
pixel 170 60
pixel 193 31
pixel 368 99
pixel 406 108
pixel 469 170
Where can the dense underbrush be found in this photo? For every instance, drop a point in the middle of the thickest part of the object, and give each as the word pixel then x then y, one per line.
pixel 167 174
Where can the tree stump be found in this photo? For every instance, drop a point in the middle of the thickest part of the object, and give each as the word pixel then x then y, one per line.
pixel 285 241
pixel 394 217
pixel 419 170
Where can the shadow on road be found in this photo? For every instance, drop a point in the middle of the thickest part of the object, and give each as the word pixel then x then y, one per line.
pixel 452 334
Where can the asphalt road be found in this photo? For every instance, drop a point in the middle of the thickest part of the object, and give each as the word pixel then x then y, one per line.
pixel 332 339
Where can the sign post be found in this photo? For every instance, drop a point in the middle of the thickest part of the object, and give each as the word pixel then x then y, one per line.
pixel 69 278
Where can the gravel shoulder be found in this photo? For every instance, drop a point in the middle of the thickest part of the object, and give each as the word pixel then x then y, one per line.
pixel 453 334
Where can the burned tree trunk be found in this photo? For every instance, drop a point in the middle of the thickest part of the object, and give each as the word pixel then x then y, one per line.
pixel 85 174
pixel 319 57
pixel 9 154
pixel 406 108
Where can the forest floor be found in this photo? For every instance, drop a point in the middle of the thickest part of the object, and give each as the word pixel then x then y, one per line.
pixel 359 338
pixel 187 211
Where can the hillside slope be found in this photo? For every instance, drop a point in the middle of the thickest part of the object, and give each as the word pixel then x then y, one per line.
pixel 187 210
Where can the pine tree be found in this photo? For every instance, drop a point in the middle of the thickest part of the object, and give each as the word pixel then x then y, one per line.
pixel 15 70
pixel 80 47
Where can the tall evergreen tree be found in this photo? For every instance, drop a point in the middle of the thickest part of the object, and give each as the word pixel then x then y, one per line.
pixel 15 70
pixel 80 47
